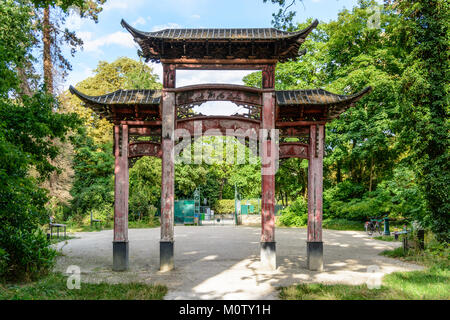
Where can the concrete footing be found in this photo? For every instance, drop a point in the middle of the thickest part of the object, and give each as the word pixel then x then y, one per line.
pixel 314 252
pixel 166 255
pixel 120 255
pixel 268 255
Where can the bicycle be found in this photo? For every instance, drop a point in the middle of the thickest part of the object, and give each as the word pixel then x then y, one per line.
pixel 373 225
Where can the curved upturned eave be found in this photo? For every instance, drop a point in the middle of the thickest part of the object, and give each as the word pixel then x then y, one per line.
pixel 92 100
pixel 302 34
pixel 134 32
pixel 82 96
pixel 107 100
pixel 335 110
pixel 357 96
pixel 342 99
pixel 305 32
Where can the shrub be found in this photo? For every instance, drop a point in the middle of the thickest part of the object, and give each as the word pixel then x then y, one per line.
pixel 3 262
pixel 296 215
pixel 224 206
pixel 141 204
pixel 24 247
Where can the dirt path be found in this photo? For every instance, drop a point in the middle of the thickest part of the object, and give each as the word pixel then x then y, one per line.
pixel 222 262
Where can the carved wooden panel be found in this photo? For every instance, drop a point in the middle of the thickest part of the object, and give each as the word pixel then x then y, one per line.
pixel 293 150
pixel 144 148
pixel 200 95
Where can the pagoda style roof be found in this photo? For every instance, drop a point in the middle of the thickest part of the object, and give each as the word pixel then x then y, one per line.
pixel 293 105
pixel 289 101
pixel 121 97
pixel 129 104
pixel 255 43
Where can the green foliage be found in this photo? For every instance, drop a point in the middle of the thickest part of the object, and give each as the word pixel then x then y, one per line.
pixel 26 146
pixel 425 84
pixel 54 287
pixel 296 215
pixel 14 43
pixel 187 178
pixel 342 224
pixel 145 188
pixel 283 19
pixel 433 283
pixel 224 206
pixel 93 186
pixel 93 163
pixel 29 127
pixel 388 153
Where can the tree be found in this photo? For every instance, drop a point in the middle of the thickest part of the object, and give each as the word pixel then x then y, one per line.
pixel 425 87
pixel 123 73
pixel 393 129
pixel 28 125
pixel 48 21
pixel 93 184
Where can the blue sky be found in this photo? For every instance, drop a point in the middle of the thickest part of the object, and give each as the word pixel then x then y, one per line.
pixel 107 40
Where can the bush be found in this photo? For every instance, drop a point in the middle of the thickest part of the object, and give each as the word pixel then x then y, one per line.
pixel 3 262
pixel 29 255
pixel 296 215
pixel 141 204
pixel 224 206
pixel 24 251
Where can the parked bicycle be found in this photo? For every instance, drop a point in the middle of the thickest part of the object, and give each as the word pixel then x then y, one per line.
pixel 373 226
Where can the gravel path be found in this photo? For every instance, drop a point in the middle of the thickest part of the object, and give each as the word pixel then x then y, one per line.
pixel 222 262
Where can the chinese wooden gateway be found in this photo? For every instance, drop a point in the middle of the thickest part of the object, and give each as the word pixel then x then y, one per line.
pixel 300 114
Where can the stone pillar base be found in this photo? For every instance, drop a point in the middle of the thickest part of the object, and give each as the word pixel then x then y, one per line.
pixel 268 255
pixel 314 252
pixel 166 255
pixel 120 255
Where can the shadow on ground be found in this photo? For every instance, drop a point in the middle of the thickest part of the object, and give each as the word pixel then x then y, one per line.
pixel 222 262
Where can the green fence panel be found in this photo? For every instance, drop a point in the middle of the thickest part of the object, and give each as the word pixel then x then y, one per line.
pixel 184 211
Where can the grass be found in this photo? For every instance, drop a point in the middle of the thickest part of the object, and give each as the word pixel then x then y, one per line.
pixel 432 283
pixel 342 224
pixel 54 287
pixel 332 224
pixel 73 227
pixel 331 292
pixel 60 239
pixel 386 238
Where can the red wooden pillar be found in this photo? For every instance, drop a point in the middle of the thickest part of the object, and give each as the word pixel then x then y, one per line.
pixel 268 248
pixel 167 185
pixel 315 200
pixel 121 183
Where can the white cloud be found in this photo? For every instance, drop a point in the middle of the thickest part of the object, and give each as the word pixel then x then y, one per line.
pixel 219 108
pixel 74 21
pixel 122 5
pixel 79 73
pixel 225 108
pixel 139 21
pixel 191 77
pixel 195 16
pixel 170 25
pixel 116 4
pixel 120 38
pixel 157 69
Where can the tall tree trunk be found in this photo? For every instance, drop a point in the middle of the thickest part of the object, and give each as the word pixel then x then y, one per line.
pixel 221 189
pixel 24 85
pixel 46 39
